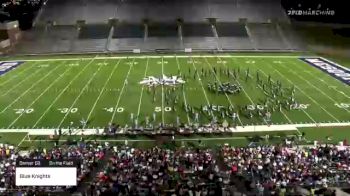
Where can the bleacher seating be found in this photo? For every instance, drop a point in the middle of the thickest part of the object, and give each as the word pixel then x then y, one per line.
pixel 128 31
pixel 99 11
pixel 126 44
pixel 233 36
pixel 99 31
pixel 162 36
pixel 266 37
pixel 199 36
pixel 127 37
pixel 293 41
pixel 89 45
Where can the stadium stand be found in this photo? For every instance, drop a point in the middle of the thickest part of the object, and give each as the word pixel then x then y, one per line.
pixel 265 36
pixel 195 33
pixel 34 41
pixel 162 37
pixel 127 37
pixel 233 36
pixel 135 11
pixel 290 35
pixel 106 169
pixel 98 31
pixel 199 36
pixel 91 38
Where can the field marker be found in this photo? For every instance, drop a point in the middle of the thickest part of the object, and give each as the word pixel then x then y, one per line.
pixel 284 114
pixel 162 93
pixel 323 81
pixel 157 56
pixel 306 113
pixel 52 83
pixel 183 91
pixel 318 89
pixel 79 95
pixel 122 90
pixel 245 92
pixel 33 85
pixel 15 75
pixel 25 79
pixel 61 93
pixel 200 81
pixel 101 92
pixel 325 94
pixel 238 129
pixel 217 79
pixel 305 94
pixel 140 101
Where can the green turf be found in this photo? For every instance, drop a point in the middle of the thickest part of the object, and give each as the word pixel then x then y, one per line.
pixel 95 90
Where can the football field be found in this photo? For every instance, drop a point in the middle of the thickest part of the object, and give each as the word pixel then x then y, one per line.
pixel 92 92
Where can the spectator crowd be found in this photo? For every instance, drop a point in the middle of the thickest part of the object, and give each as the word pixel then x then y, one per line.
pixel 124 170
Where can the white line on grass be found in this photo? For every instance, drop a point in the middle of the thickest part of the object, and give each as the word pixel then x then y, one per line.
pixel 140 101
pixel 101 92
pixel 32 86
pixel 162 93
pixel 285 115
pixel 49 87
pixel 200 81
pixel 183 91
pixel 79 95
pixel 245 92
pixel 318 89
pixel 15 75
pixel 18 84
pixel 306 113
pixel 122 90
pixel 217 79
pixel 304 93
pixel 61 93
pixel 156 56
pixel 321 80
pixel 23 139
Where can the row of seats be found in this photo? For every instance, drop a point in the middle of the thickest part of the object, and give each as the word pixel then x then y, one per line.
pixel 126 37
pixel 96 11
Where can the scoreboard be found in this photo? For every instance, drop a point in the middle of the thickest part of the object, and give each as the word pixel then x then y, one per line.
pixel 31 172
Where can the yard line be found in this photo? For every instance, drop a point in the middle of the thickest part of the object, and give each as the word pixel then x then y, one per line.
pixel 16 75
pixel 79 95
pixel 49 87
pixel 122 90
pixel 307 114
pixel 305 93
pixel 162 93
pixel 247 95
pixel 335 89
pixel 183 92
pixel 285 115
pixel 101 92
pixel 157 56
pixel 139 107
pixel 217 79
pixel 33 85
pixel 18 84
pixel 61 93
pixel 318 89
pixel 200 81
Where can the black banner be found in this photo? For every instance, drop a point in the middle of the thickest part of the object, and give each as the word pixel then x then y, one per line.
pixel 46 163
